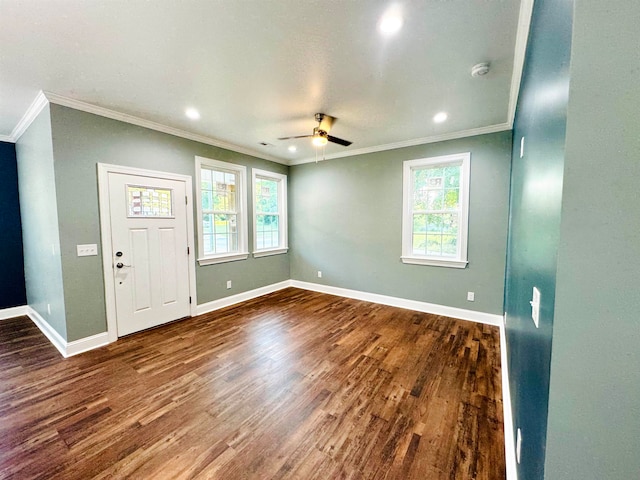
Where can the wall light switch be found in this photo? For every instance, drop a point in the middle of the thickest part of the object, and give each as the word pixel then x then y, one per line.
pixel 535 307
pixel 319 274
pixel 87 250
pixel 471 296
pixel 228 284
pixel 518 445
pixel 521 147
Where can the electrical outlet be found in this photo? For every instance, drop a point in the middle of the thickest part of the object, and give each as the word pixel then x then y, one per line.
pixel 471 296
pixel 319 274
pixel 228 284
pixel 87 250
pixel 518 445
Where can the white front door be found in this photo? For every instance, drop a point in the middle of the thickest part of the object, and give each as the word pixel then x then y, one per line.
pixel 149 247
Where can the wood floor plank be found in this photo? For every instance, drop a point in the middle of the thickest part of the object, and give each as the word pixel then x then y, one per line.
pixel 292 385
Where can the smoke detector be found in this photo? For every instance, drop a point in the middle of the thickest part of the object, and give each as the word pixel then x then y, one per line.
pixel 480 69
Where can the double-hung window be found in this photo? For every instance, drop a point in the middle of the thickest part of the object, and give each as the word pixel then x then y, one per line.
pixel 222 211
pixel 436 211
pixel 269 213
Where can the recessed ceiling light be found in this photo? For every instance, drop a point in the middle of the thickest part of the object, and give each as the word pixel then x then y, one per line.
pixel 192 113
pixel 292 148
pixel 391 21
pixel 440 117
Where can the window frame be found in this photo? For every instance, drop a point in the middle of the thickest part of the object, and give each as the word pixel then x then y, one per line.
pixel 241 206
pixel 409 166
pixel 281 181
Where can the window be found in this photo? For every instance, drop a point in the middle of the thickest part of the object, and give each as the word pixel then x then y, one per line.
pixel 149 202
pixel 222 218
pixel 269 213
pixel 436 206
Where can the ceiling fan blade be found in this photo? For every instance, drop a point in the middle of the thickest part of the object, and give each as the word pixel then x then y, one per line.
pixel 339 141
pixel 298 136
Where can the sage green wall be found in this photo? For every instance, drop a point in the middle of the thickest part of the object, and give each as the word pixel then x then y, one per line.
pixel 80 142
pixel 39 216
pixel 346 217
pixel 593 427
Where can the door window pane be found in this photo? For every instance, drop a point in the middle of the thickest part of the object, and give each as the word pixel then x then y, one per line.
pixel 149 202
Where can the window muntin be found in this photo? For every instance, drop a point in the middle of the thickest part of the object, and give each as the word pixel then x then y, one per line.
pixel 149 202
pixel 269 213
pixel 221 211
pixel 435 213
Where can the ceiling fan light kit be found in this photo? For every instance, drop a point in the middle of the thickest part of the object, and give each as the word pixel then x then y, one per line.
pixel 319 140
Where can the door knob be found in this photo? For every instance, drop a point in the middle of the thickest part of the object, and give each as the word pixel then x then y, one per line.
pixel 120 265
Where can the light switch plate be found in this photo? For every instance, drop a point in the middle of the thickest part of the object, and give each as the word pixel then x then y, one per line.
pixel 87 250
pixel 535 307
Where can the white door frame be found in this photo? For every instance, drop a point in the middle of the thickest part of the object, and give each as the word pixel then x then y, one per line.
pixel 104 170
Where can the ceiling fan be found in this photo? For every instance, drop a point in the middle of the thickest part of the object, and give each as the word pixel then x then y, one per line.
pixel 320 135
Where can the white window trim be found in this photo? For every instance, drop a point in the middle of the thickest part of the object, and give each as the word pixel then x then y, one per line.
pixel 407 221
pixel 282 212
pixel 242 221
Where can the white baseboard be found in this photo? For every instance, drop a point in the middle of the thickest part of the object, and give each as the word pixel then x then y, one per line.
pixel 101 339
pixel 14 312
pixel 67 349
pixel 241 297
pixel 509 441
pixel 88 343
pixel 434 308
pixel 48 331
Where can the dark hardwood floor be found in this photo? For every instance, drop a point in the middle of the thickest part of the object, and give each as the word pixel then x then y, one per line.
pixel 292 385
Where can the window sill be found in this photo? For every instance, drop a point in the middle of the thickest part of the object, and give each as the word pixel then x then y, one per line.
pixel 223 258
pixel 266 253
pixel 435 262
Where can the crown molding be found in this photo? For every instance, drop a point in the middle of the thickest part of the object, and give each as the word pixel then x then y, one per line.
pixel 141 122
pixel 520 52
pixel 7 138
pixel 500 127
pixel 29 116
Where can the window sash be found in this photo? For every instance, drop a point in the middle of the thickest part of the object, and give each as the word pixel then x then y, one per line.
pixel 267 241
pixel 429 245
pixel 222 231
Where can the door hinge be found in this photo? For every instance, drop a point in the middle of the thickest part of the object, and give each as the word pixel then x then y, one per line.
pixel 186 200
pixel 188 251
pixel 189 300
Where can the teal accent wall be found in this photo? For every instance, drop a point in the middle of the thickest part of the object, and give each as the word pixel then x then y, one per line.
pixel 346 221
pixel 12 289
pixel 81 141
pixel 39 218
pixel 593 428
pixel 534 227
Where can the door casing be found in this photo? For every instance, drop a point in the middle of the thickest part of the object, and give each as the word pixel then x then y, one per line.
pixel 105 232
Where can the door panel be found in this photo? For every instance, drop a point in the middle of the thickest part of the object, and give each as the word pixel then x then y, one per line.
pixel 139 271
pixel 149 241
pixel 168 265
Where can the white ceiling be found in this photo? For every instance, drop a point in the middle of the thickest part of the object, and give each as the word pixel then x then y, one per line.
pixel 259 69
